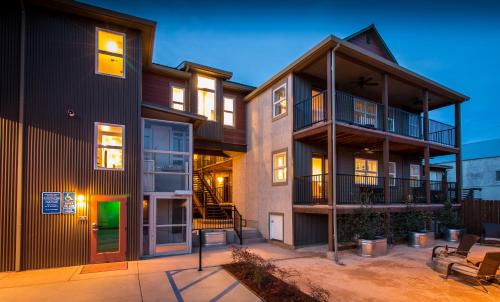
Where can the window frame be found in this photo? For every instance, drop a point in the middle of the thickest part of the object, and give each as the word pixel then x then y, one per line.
pixel 274 102
pixel 364 113
pixel 232 112
pixel 415 179
pixel 273 168
pixel 172 86
pixel 96 146
pixel 366 172
pixel 97 52
pixel 392 176
pixel 206 90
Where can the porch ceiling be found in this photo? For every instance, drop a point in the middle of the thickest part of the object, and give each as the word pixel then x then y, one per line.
pixel 402 94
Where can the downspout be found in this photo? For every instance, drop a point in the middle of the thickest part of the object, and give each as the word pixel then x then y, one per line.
pixel 334 162
pixel 20 132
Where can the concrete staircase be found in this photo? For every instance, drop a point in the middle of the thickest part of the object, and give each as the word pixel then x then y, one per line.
pixel 252 235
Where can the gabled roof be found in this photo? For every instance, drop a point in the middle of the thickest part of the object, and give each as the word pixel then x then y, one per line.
pixel 367 32
pixel 186 66
pixel 355 51
pixel 476 150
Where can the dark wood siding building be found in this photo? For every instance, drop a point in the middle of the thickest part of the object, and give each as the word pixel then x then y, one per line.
pixel 58 147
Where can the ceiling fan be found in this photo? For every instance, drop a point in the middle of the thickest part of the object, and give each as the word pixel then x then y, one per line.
pixel 368 150
pixel 364 81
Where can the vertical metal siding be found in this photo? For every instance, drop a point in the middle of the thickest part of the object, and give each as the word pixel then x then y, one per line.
pixel 310 229
pixel 59 150
pixel 9 109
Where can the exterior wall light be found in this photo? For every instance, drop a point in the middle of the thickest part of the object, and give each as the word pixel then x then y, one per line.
pixel 80 201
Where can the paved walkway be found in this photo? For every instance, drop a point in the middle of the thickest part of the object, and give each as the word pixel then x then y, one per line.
pixel 173 278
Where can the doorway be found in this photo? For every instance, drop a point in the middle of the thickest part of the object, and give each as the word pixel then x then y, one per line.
pixel 276 226
pixel 319 168
pixel 108 236
pixel 168 224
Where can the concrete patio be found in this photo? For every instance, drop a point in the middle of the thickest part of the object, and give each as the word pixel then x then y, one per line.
pixel 403 275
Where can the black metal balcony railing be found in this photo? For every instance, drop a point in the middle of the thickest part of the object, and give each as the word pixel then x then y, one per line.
pixel 311 189
pixel 405 123
pixel 406 190
pixel 310 111
pixel 441 133
pixel 366 113
pixel 355 110
pixel 358 189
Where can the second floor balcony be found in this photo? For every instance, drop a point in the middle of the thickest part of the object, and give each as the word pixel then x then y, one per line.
pixel 369 114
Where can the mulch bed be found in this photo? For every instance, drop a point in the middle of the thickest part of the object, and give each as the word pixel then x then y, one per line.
pixel 272 290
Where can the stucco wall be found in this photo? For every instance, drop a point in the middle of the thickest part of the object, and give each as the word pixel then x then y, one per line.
pixel 479 173
pixel 254 192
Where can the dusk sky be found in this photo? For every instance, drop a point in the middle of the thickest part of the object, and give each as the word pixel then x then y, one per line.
pixel 455 43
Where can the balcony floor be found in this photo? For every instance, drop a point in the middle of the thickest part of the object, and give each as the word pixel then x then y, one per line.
pixel 351 208
pixel 358 136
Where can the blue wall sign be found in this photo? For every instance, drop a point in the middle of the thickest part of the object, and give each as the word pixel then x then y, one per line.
pixel 68 203
pixel 51 202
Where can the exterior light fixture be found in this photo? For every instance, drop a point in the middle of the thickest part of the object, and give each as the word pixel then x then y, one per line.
pixel 80 201
pixel 220 179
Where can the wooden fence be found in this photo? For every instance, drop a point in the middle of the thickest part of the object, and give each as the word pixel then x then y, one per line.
pixel 477 212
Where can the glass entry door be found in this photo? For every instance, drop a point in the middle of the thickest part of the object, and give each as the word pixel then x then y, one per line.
pixel 169 225
pixel 108 228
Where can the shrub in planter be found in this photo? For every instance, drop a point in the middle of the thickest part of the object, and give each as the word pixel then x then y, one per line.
pixel 417 224
pixel 450 225
pixel 370 232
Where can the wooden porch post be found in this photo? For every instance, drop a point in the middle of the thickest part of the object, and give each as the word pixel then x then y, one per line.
pixel 385 99
pixel 329 97
pixel 458 156
pixel 427 183
pixel 427 173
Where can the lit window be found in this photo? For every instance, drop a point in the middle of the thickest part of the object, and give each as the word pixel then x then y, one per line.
pixel 392 173
pixel 206 97
pixel 366 171
pixel 365 113
pixel 109 146
pixel 110 53
pixel 229 111
pixel 415 175
pixel 279 167
pixel 279 101
pixel 178 98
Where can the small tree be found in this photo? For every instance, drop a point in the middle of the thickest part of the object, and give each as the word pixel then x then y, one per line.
pixel 368 223
pixel 417 220
pixel 449 217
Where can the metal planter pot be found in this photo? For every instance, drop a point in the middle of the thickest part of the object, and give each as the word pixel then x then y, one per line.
pixel 421 239
pixel 214 238
pixel 453 235
pixel 372 248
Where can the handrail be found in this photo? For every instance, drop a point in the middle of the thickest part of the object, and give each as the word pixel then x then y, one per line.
pixel 310 111
pixel 307 113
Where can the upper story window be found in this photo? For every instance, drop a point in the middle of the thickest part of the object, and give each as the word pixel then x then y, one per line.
pixel 229 112
pixel 206 97
pixel 392 173
pixel 109 146
pixel 279 101
pixel 279 167
pixel 177 97
pixel 110 53
pixel 365 113
pixel 365 171
pixel 497 175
